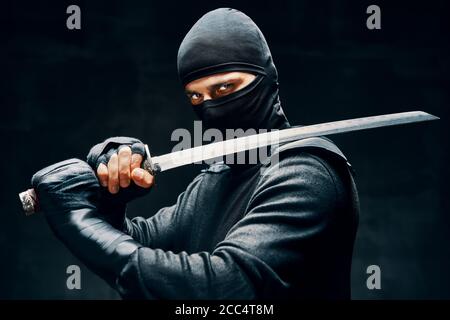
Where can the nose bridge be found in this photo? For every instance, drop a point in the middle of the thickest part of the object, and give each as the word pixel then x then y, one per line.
pixel 206 96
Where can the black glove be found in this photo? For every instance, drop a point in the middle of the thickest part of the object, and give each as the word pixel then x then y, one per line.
pixel 100 153
pixel 69 193
pixel 114 205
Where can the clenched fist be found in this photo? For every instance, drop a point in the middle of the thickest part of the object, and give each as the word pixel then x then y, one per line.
pixel 122 167
pixel 117 163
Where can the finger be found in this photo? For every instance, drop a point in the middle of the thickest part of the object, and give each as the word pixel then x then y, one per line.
pixel 136 160
pixel 102 159
pixel 138 148
pixel 113 174
pixel 142 178
pixel 124 166
pixel 102 174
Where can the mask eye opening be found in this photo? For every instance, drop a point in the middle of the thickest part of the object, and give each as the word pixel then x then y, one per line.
pixel 212 103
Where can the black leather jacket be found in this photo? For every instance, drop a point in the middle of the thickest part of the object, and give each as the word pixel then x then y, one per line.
pixel 233 234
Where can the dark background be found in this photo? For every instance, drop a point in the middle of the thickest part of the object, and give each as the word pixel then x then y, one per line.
pixel 62 91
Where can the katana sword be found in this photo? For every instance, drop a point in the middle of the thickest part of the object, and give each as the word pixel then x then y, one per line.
pixel 222 148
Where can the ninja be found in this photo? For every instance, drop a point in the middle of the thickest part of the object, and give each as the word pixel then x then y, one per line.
pixel 233 233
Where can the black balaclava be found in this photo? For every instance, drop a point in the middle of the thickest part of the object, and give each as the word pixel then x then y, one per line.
pixel 226 40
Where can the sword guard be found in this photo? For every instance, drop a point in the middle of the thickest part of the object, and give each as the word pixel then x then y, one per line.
pixel 148 164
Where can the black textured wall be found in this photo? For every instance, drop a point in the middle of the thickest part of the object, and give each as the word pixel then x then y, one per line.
pixel 62 91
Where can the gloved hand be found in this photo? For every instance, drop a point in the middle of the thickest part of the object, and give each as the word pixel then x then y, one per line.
pixel 117 162
pixel 69 194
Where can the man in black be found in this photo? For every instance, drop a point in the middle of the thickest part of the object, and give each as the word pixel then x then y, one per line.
pixel 234 233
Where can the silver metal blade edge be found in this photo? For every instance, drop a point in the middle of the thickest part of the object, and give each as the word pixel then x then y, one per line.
pixel 217 149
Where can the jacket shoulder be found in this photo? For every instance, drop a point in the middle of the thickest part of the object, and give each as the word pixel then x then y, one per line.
pixel 319 144
pixel 316 151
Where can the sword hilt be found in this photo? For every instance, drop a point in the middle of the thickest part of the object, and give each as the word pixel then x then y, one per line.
pixel 30 201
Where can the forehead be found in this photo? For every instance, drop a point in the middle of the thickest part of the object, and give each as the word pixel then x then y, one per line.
pixel 205 82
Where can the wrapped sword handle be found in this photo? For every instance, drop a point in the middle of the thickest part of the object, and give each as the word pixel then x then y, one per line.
pixel 30 203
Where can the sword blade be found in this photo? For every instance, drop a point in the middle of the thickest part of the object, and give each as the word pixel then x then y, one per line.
pixel 223 148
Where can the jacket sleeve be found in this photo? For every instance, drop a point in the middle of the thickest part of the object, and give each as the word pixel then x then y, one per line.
pixel 263 254
pixel 160 230
pixel 68 194
pixel 155 232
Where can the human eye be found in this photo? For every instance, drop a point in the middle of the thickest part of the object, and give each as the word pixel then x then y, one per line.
pixel 195 98
pixel 224 88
